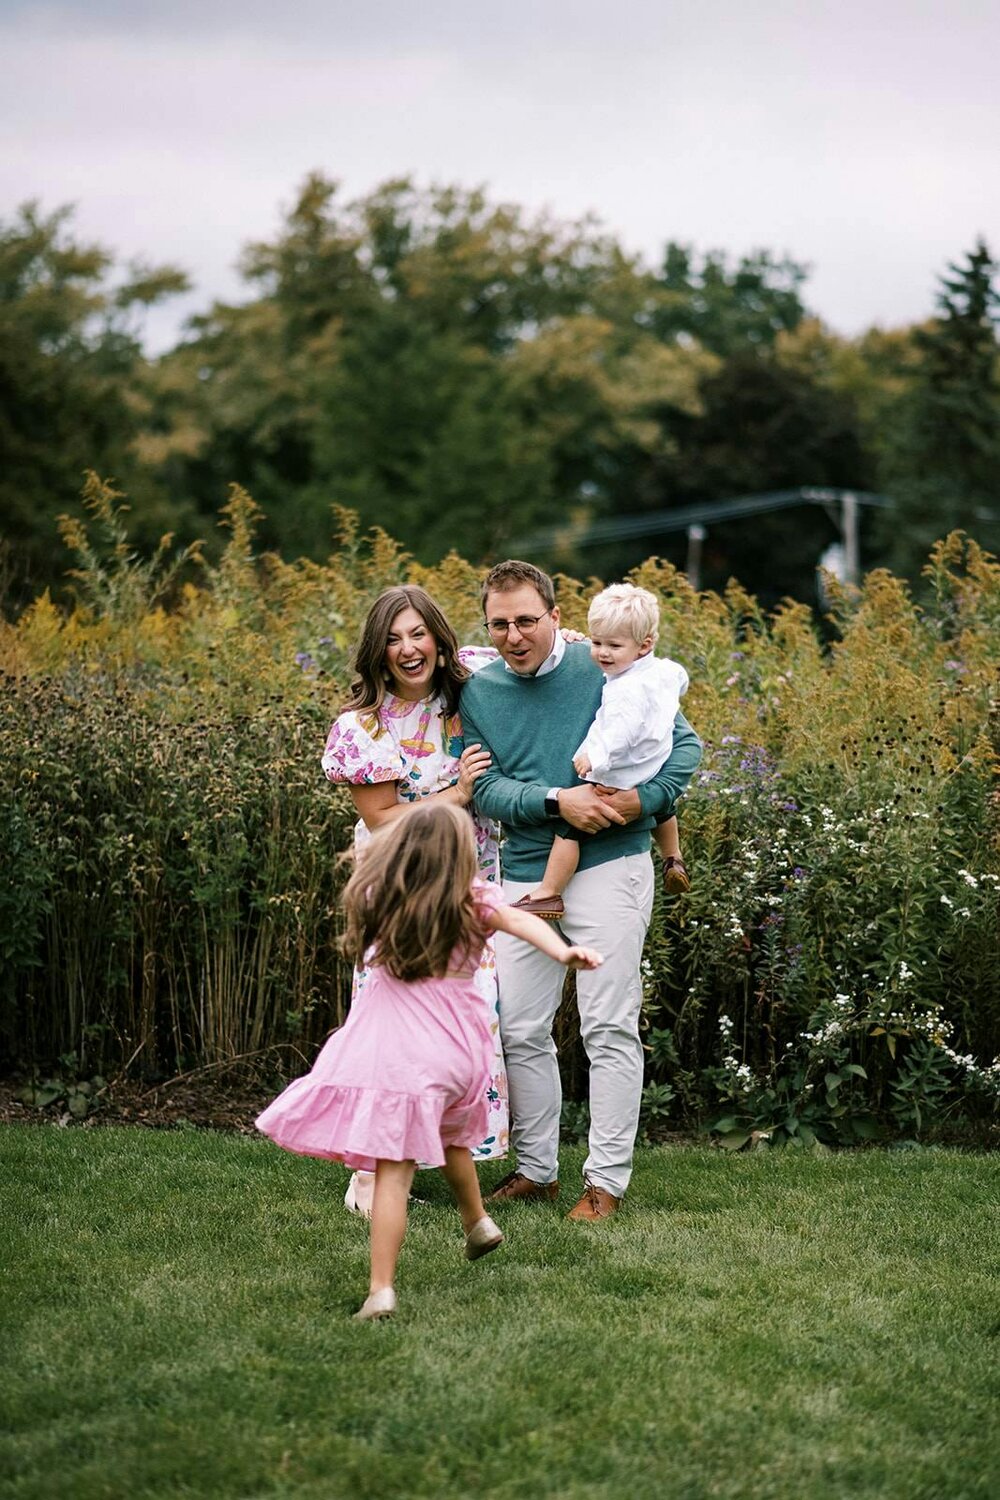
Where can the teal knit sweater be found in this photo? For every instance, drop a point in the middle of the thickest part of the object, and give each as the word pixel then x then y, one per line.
pixel 532 727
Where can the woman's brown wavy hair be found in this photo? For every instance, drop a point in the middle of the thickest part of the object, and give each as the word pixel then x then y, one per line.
pixel 368 688
pixel 410 895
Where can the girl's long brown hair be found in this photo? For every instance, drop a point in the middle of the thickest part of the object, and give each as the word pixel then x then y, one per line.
pixel 411 895
pixel 368 688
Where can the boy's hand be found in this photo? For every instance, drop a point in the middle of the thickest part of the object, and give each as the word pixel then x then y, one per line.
pixel 581 763
pixel 582 958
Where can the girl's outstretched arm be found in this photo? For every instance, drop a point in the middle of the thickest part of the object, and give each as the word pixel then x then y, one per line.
pixel 531 929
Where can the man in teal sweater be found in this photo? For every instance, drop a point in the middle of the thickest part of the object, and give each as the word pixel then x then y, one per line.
pixel 530 710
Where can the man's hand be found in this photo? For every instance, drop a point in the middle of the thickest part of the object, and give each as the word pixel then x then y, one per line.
pixel 584 807
pixel 627 804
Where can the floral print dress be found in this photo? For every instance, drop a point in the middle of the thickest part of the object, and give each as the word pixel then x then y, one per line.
pixel 414 745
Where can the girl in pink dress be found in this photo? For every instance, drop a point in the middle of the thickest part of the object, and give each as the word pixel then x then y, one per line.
pixel 394 745
pixel 405 1078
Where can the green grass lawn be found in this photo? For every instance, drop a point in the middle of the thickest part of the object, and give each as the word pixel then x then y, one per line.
pixel 175 1322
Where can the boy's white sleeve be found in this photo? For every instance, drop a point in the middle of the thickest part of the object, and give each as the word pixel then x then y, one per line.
pixel 672 687
pixel 620 727
pixel 603 745
pixel 634 726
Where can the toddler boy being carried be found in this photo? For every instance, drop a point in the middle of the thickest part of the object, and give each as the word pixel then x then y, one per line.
pixel 632 732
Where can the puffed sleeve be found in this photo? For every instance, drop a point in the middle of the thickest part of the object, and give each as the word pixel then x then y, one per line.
pixel 487 896
pixel 361 753
pixel 477 657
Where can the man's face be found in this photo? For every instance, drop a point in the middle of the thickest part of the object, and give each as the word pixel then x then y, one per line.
pixel 525 649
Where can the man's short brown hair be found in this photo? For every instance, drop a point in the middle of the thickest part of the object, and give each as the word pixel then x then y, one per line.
pixel 512 574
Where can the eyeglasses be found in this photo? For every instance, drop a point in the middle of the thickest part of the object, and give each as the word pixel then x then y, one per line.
pixel 526 625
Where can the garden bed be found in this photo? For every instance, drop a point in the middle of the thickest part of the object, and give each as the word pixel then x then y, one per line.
pixel 201 1102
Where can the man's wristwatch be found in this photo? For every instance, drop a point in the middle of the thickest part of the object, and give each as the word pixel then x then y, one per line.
pixel 552 802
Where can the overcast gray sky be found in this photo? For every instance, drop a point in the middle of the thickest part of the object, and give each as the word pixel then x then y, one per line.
pixel 862 137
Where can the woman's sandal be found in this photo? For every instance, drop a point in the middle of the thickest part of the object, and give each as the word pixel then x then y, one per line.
pixel 359 1195
pixel 675 878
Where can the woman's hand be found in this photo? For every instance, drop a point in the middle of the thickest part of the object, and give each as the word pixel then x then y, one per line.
pixel 473 761
pixel 582 958
pixel 572 635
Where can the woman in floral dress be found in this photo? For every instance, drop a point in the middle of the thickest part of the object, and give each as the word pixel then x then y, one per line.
pixel 395 744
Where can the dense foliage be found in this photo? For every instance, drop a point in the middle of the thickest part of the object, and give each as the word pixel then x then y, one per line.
pixel 169 847
pixel 464 373
pixel 70 364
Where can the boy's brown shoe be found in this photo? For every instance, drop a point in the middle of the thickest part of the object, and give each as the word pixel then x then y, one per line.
pixel 515 1187
pixel 549 908
pixel 675 877
pixel 596 1203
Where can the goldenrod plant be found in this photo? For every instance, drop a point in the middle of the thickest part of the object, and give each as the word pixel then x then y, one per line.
pixel 170 846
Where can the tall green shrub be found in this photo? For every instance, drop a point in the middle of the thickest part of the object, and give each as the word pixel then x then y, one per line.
pixel 170 846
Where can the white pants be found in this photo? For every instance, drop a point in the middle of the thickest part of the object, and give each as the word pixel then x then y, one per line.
pixel 607 908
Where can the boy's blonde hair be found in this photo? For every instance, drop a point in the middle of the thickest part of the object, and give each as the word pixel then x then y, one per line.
pixel 626 610
pixel 411 894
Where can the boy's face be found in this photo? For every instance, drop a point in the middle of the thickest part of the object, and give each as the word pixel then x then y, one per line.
pixel 614 653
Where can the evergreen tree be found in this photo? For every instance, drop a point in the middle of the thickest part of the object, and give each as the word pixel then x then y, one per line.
pixel 942 468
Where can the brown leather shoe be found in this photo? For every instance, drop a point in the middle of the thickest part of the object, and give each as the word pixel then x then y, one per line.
pixel 549 908
pixel 596 1203
pixel 515 1187
pixel 676 879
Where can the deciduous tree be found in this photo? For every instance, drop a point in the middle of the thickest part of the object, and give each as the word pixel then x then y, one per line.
pixel 70 385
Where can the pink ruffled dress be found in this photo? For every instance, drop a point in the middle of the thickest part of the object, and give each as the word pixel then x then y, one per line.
pixel 404 1077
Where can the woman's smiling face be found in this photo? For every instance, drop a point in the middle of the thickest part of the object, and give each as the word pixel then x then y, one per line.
pixel 410 656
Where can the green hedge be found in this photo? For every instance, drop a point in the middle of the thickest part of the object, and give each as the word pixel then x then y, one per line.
pixel 169 846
